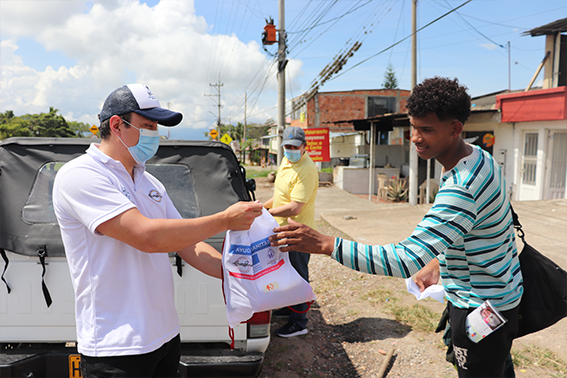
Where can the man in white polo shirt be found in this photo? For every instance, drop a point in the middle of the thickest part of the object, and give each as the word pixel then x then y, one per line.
pixel 118 224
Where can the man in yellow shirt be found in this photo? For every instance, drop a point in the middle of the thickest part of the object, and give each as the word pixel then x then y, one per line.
pixel 295 190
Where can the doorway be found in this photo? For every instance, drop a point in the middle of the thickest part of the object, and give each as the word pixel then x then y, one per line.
pixel 528 168
pixel 556 163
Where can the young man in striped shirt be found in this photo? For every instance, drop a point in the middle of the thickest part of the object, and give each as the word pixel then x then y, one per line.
pixel 466 239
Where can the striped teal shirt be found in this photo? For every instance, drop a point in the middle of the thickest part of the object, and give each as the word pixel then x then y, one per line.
pixel 469 229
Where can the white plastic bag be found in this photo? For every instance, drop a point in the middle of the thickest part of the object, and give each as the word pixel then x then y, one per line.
pixel 256 276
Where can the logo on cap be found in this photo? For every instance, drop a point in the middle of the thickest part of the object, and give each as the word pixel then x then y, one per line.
pixel 150 94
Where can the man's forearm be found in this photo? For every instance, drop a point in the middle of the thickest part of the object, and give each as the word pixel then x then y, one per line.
pixel 288 210
pixel 204 258
pixel 168 235
pixel 171 235
pixel 269 203
pixel 388 260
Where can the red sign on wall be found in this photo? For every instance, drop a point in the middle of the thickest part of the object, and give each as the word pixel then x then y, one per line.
pixel 318 143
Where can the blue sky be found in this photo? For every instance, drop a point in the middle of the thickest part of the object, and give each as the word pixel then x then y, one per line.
pixel 70 54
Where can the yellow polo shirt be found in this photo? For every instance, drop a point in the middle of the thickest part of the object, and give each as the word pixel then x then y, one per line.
pixel 297 182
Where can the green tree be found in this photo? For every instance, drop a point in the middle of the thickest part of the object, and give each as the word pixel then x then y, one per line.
pixel 256 131
pixel 390 81
pixel 6 116
pixel 236 132
pixel 15 129
pixel 80 128
pixel 245 146
pixel 51 125
pixel 37 125
pixel 11 126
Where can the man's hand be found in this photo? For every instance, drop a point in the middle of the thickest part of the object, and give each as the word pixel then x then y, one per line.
pixel 241 215
pixel 288 210
pixel 299 237
pixel 428 275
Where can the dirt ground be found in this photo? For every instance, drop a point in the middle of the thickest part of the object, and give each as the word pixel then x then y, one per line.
pixel 353 327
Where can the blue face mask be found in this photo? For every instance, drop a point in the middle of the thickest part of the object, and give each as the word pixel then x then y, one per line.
pixel 292 155
pixel 147 145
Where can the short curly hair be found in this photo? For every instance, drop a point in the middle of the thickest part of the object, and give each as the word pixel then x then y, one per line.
pixel 442 96
pixel 104 128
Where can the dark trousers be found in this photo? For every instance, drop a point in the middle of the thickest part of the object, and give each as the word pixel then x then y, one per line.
pixel 487 358
pixel 163 362
pixel 300 261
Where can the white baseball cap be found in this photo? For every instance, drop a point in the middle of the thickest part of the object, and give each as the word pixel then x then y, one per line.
pixel 138 98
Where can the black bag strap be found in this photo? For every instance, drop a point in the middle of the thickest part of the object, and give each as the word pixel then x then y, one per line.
pixel 7 261
pixel 42 253
pixel 179 265
pixel 517 224
pixel 250 184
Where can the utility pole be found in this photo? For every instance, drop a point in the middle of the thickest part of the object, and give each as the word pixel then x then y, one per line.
pixel 244 131
pixel 509 70
pixel 218 87
pixel 168 129
pixel 243 141
pixel 282 61
pixel 413 157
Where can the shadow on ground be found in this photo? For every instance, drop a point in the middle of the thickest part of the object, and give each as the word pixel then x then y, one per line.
pixel 321 353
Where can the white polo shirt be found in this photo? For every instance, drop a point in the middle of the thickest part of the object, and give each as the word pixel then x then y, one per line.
pixel 124 298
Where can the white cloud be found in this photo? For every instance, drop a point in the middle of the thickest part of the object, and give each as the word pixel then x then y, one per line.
pixel 117 42
pixel 16 80
pixel 25 18
pixel 489 46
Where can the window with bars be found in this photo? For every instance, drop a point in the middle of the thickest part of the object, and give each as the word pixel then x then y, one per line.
pixel 530 159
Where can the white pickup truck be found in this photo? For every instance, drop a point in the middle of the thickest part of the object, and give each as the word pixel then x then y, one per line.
pixel 37 321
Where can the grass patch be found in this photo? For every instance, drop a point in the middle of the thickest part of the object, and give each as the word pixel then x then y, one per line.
pixel 352 312
pixel 279 366
pixel 535 357
pixel 418 317
pixel 258 173
pixel 276 350
pixel 328 285
pixel 377 296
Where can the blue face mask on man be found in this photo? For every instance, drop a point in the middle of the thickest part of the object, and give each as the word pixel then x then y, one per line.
pixel 292 155
pixel 147 145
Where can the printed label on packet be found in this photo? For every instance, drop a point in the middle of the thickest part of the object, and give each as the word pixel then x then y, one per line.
pixel 484 320
pixel 271 286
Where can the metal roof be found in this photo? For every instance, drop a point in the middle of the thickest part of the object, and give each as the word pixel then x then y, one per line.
pixel 554 27
pixel 383 122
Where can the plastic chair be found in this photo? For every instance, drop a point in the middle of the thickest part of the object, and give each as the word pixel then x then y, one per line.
pixel 433 188
pixel 383 183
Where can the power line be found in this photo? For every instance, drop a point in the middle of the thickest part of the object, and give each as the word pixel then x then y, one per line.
pixel 332 19
pixel 315 19
pixel 403 39
pixel 513 19
pixel 476 30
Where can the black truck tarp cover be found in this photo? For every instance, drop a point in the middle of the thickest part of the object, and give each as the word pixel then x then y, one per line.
pixel 201 177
